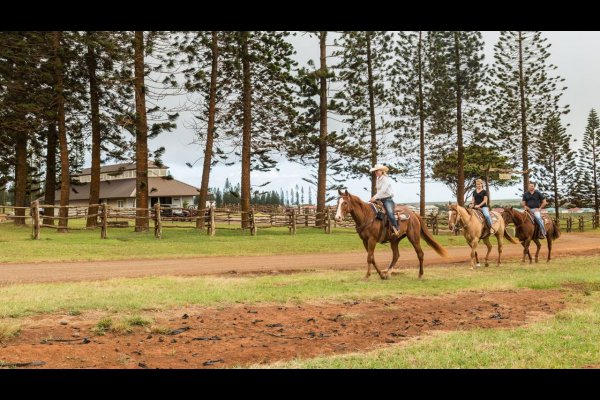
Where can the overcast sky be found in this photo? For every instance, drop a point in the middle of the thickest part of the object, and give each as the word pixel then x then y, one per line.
pixel 574 53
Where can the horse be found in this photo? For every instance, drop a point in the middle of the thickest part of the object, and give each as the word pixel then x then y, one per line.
pixel 473 229
pixel 373 230
pixel 526 230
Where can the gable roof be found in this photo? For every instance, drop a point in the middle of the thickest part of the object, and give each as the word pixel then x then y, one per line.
pixel 115 167
pixel 125 188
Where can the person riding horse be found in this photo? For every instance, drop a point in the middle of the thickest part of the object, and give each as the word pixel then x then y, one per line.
pixel 479 200
pixel 534 201
pixel 385 194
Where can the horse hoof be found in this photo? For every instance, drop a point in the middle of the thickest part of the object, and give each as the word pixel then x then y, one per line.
pixel 478 265
pixel 385 277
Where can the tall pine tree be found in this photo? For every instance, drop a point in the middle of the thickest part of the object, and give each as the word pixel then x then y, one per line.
pixel 523 94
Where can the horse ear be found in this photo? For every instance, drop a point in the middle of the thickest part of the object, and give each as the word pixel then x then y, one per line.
pixel 340 192
pixel 346 191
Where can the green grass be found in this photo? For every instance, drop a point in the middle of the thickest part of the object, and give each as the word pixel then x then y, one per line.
pixel 125 325
pixel 9 330
pixel 570 339
pixel 17 245
pixel 138 294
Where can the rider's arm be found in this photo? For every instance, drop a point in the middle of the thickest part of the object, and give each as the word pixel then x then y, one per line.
pixel 544 202
pixel 484 201
pixel 524 205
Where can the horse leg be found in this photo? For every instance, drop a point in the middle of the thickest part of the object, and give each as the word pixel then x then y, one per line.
pixel 489 250
pixel 366 244
pixel 539 246
pixel 395 254
pixel 371 258
pixel 524 250
pixel 415 239
pixel 529 252
pixel 549 239
pixel 500 239
pixel 474 257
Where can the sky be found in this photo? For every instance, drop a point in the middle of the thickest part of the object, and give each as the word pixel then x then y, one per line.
pixel 573 52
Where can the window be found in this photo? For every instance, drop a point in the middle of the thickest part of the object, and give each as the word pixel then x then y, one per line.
pixel 120 203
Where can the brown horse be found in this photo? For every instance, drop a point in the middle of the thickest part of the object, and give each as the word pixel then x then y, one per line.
pixel 473 229
pixel 527 231
pixel 372 231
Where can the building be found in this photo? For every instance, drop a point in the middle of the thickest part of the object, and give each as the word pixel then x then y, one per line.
pixel 117 187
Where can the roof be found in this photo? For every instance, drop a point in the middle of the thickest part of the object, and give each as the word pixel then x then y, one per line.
pixel 125 188
pixel 115 167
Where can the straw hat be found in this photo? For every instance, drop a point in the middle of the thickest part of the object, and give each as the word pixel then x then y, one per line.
pixel 379 167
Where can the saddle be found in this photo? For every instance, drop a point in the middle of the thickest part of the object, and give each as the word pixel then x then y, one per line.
pixel 402 214
pixel 479 214
pixel 545 218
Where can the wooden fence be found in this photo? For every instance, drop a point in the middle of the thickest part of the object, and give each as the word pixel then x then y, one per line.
pixel 221 218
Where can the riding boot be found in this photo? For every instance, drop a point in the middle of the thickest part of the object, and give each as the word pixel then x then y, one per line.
pixel 395 231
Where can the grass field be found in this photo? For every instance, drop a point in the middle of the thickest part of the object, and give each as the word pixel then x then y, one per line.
pixel 569 339
pixel 17 246
pixel 136 294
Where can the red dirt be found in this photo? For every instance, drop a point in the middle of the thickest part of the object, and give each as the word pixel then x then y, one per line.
pixel 262 334
pixel 567 245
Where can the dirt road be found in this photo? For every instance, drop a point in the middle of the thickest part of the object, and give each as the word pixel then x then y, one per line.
pixel 567 245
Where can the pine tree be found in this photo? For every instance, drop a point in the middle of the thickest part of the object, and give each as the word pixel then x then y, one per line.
pixel 261 103
pixel 557 162
pixel 457 95
pixel 363 99
pixel 523 95
pixel 590 160
pixel 411 86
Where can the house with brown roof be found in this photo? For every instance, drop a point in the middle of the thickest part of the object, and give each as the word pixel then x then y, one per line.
pixel 117 187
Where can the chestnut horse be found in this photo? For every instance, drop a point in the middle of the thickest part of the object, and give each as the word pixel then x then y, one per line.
pixel 372 231
pixel 527 231
pixel 473 229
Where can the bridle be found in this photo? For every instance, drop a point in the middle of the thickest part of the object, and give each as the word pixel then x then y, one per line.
pixel 458 224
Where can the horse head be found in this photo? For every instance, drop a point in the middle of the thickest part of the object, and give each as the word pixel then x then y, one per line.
pixel 344 205
pixel 453 217
pixel 508 215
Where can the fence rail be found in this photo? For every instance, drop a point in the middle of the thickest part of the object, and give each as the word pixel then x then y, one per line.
pixel 261 217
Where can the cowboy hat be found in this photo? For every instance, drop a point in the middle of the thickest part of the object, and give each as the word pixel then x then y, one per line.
pixel 379 167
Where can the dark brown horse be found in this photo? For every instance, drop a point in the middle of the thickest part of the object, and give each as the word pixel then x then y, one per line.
pixel 372 231
pixel 526 231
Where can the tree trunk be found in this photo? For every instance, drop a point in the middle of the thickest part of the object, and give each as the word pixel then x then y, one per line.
pixel 322 172
pixel 95 109
pixel 141 138
pixel 65 179
pixel 50 188
pixel 595 174
pixel 210 130
pixel 21 172
pixel 524 138
pixel 460 187
pixel 246 131
pixel 421 128
pixel 372 113
pixel 555 184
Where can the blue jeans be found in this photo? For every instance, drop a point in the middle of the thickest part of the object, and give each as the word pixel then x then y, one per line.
pixel 538 217
pixel 486 213
pixel 388 204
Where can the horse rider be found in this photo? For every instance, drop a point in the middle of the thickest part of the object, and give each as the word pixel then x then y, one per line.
pixel 385 194
pixel 534 201
pixel 479 200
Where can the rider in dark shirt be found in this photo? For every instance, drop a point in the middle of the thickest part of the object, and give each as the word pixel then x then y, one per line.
pixel 534 201
pixel 480 200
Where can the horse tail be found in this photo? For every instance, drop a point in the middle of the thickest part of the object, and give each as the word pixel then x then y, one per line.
pixel 510 238
pixel 430 240
pixel 556 230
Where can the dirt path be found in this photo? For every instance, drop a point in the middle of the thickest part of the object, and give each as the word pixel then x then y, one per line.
pixel 567 245
pixel 242 335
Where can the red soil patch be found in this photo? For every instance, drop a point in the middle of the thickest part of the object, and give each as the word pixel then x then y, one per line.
pixel 260 334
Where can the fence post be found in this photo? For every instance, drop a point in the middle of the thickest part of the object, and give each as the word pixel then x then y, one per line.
pixel 35 215
pixel 157 221
pixel 327 221
pixel 252 222
pixel 213 228
pixel 581 223
pixel 293 231
pixel 103 231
